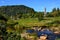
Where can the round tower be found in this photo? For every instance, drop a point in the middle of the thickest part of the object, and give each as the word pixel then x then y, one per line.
pixel 44 12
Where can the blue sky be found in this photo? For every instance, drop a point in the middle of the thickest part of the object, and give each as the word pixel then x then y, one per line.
pixel 37 5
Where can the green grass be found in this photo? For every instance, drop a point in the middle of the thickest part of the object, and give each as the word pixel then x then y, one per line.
pixel 58 39
pixel 35 22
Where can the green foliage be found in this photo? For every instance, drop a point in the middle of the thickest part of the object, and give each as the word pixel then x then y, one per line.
pixel 13 36
pixel 15 9
pixel 40 16
pixel 54 9
pixel 55 12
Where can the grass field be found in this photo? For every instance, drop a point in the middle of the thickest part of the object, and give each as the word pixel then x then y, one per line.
pixel 35 22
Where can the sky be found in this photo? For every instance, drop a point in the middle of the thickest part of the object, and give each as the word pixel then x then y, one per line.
pixel 37 5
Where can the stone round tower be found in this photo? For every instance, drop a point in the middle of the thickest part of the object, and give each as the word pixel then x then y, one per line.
pixel 44 12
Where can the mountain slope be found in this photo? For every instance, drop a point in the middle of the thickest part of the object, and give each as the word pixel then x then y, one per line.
pixel 15 9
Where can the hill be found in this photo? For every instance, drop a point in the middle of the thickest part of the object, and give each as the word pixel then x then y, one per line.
pixel 15 9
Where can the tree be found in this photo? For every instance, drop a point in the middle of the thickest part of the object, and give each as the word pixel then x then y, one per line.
pixel 54 9
pixel 58 9
pixel 55 13
pixel 40 16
